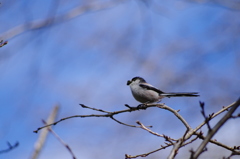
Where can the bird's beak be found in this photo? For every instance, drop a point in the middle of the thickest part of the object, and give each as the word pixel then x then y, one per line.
pixel 129 82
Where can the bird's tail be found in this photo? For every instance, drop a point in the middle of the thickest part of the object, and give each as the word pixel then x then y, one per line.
pixel 180 94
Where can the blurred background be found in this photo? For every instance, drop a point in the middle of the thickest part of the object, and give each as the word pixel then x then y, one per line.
pixel 71 52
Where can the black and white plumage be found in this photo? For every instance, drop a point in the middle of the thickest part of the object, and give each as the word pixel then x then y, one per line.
pixel 146 93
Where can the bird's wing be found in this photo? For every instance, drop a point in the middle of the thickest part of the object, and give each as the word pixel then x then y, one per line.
pixel 150 87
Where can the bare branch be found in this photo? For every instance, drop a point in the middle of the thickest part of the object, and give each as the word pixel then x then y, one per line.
pixel 10 147
pixel 146 154
pixel 108 114
pixel 154 133
pixel 122 122
pixel 236 116
pixel 175 149
pixel 176 143
pixel 162 147
pixel 61 141
pixel 207 119
pixel 3 43
pixel 175 112
pixel 100 110
pixel 233 149
pixel 43 135
pixel 80 10
pixel 215 129
pixel 214 115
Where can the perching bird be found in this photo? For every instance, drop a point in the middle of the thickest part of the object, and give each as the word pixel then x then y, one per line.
pixel 146 93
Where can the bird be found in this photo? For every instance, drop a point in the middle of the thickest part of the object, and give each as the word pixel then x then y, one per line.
pixel 145 93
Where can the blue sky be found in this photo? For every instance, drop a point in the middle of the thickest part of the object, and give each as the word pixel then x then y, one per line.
pixel 174 45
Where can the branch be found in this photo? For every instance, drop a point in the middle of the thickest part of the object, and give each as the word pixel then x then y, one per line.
pixel 123 123
pixel 43 135
pixel 175 149
pixel 146 154
pixel 190 131
pixel 207 119
pixel 61 141
pixel 100 110
pixel 214 115
pixel 162 147
pixel 175 112
pixel 215 129
pixel 236 116
pixel 3 43
pixel 154 133
pixel 108 114
pixel 80 10
pixel 176 143
pixel 130 109
pixel 233 149
pixel 10 147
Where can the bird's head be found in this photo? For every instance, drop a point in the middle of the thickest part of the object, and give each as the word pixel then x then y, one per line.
pixel 136 80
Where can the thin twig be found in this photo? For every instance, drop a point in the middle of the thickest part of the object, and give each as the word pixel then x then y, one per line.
pixel 207 119
pixel 176 145
pixel 175 112
pixel 3 43
pixel 123 123
pixel 215 129
pixel 100 110
pixel 43 135
pixel 77 11
pixel 235 116
pixel 108 114
pixel 151 132
pixel 61 141
pixel 200 136
pixel 146 154
pixel 214 115
pixel 162 147
pixel 10 147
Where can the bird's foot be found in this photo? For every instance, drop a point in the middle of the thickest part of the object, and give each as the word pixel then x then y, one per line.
pixel 142 106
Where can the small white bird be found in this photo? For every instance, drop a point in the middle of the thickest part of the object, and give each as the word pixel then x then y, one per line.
pixel 146 93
